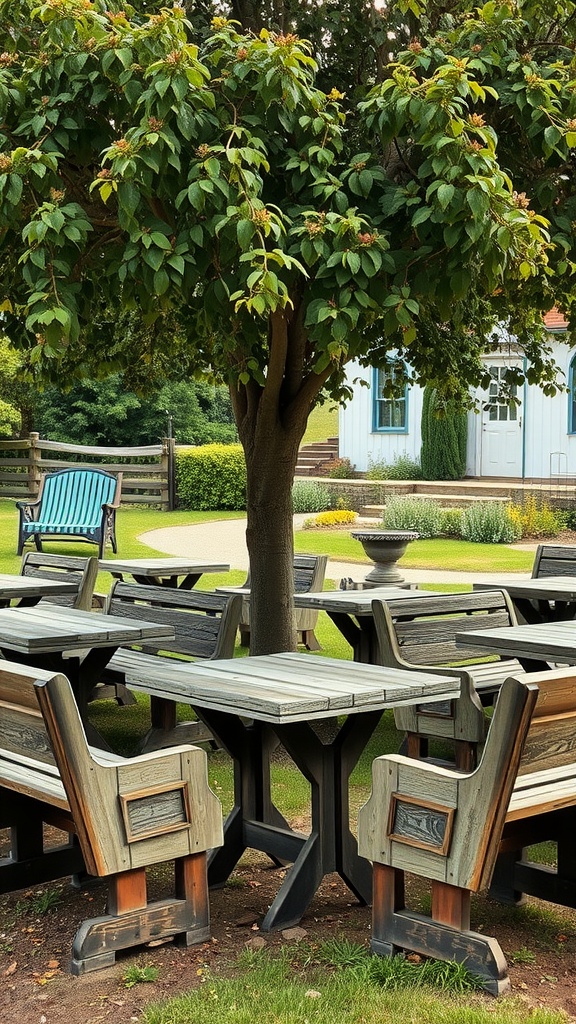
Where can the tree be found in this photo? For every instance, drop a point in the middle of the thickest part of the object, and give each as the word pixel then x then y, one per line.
pixel 286 228
pixel 444 435
pixel 107 412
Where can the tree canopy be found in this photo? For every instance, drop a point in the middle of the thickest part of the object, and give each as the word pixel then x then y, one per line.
pixel 287 221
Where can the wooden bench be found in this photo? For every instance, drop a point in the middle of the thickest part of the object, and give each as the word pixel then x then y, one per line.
pixel 554 560
pixel 309 574
pixel 67 568
pixel 78 503
pixel 421 634
pixel 121 815
pixel 454 828
pixel 205 626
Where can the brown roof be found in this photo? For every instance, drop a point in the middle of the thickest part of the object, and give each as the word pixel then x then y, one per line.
pixel 555 321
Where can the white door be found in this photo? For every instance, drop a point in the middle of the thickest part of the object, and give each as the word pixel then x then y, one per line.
pixel 501 428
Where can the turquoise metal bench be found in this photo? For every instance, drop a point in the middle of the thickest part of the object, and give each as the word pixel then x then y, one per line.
pixel 79 503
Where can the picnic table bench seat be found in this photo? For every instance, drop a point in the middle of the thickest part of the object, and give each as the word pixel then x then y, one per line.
pixel 463 831
pixel 78 503
pixel 205 626
pixel 422 634
pixel 68 569
pixel 121 815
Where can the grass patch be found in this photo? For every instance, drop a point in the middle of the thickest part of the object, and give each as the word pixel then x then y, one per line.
pixel 280 992
pixel 441 553
pixel 322 424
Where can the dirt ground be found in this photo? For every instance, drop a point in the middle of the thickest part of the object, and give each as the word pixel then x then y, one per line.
pixel 35 988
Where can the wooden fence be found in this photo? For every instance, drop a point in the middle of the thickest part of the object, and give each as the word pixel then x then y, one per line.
pixel 148 472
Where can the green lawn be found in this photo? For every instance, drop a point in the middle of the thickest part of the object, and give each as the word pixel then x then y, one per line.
pixel 322 424
pixel 458 555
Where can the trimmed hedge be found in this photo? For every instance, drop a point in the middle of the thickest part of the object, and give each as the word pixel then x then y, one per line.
pixel 211 477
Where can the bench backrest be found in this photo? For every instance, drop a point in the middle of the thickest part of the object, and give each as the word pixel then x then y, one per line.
pixel 422 632
pixel 75 496
pixel 67 569
pixel 309 573
pixel 205 623
pixel 127 812
pixel 448 826
pixel 554 560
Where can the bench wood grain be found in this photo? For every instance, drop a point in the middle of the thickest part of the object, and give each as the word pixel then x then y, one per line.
pixel 463 831
pixel 121 815
pixel 205 626
pixel 422 634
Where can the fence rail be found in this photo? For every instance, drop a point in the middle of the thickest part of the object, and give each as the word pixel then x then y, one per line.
pixel 148 471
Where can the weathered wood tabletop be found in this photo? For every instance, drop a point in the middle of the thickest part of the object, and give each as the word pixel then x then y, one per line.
pixel 44 636
pixel 28 590
pixel 163 572
pixel 534 645
pixel 249 703
pixel 543 599
pixel 351 613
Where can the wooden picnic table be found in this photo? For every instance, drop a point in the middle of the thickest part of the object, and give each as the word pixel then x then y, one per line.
pixel 351 613
pixel 77 643
pixel 251 703
pixel 183 573
pixel 535 645
pixel 28 590
pixel 543 599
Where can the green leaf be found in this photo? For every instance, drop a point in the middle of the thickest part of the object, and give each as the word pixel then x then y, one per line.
pixel 445 194
pixel 160 240
pixel 161 282
pixel 245 232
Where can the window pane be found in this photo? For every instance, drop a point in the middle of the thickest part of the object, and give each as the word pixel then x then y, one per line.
pixel 390 412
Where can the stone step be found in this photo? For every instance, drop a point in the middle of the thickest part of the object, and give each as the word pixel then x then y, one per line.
pixel 314 459
pixel 445 500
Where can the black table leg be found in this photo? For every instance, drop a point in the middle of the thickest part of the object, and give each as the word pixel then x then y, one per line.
pixel 255 823
pixel 360 634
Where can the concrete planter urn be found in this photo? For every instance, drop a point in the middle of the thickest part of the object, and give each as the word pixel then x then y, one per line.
pixel 384 547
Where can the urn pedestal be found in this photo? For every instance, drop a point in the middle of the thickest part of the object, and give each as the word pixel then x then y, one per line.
pixel 384 547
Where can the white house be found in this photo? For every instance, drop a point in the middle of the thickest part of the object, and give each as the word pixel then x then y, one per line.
pixel 535 440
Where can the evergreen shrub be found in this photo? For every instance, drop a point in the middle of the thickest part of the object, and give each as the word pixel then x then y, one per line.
pixel 211 477
pixel 409 513
pixel 444 435
pixel 488 523
pixel 309 496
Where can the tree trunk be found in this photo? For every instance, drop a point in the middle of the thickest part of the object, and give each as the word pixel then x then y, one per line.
pixel 270 465
pixel 271 420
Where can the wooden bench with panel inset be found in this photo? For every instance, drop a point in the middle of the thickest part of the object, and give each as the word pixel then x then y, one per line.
pixel 459 830
pixel 421 634
pixel 205 626
pixel 120 815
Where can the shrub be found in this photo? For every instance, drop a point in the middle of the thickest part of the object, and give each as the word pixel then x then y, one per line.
pixel 536 519
pixel 444 435
pixel 402 467
pixel 337 517
pixel 211 477
pixel 451 522
pixel 309 496
pixel 411 513
pixel 488 523
pixel 341 469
